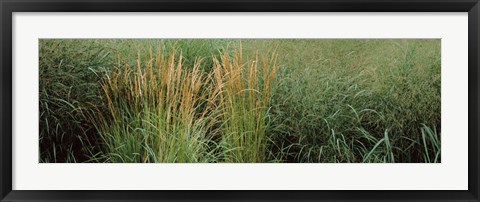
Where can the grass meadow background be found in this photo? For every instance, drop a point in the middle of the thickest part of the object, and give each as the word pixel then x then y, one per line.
pixel 240 101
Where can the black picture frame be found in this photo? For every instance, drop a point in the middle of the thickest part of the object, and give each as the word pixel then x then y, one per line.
pixel 8 7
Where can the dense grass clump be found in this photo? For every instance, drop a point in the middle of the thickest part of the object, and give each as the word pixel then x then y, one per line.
pixel 67 94
pixel 243 94
pixel 212 100
pixel 154 112
pixel 161 110
pixel 357 102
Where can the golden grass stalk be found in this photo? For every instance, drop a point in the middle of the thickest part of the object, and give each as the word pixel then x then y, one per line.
pixel 244 93
pixel 158 106
pixel 162 111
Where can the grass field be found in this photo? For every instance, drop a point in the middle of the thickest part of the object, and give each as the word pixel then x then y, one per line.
pixel 240 101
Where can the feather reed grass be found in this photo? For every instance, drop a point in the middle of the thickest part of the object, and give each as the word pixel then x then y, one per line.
pixel 243 91
pixel 162 111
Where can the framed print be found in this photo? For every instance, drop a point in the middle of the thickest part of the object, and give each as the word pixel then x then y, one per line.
pixel 239 101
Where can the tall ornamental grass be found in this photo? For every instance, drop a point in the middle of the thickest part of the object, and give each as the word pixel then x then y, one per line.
pixel 161 111
pixel 155 112
pixel 243 88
